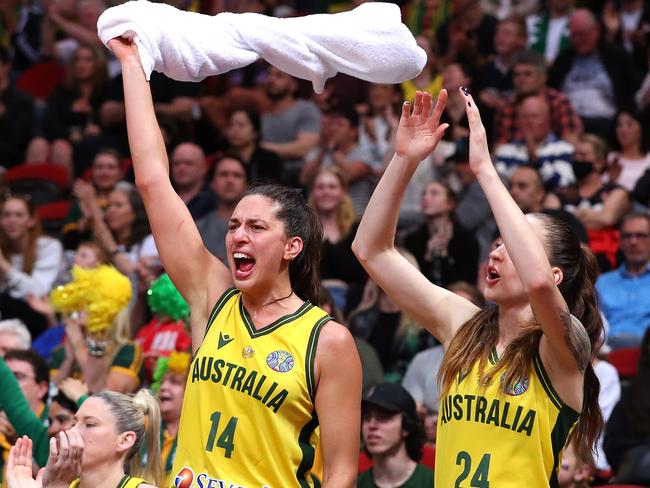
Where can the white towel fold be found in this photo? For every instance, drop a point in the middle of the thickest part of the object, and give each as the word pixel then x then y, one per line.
pixel 369 42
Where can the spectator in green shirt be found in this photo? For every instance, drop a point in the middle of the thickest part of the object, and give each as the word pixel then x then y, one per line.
pixel 393 435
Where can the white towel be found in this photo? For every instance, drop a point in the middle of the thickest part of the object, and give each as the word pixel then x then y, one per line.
pixel 369 42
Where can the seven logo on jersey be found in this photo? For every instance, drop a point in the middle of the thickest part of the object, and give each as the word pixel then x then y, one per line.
pixel 224 340
pixel 518 388
pixel 280 361
pixel 184 478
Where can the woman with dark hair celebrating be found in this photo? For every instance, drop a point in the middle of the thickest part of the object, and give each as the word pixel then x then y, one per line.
pixel 517 379
pixel 243 138
pixel 272 375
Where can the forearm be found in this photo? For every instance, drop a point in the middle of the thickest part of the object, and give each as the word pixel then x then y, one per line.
pixel 525 249
pixel 295 149
pixel 377 228
pixel 145 139
pixel 83 35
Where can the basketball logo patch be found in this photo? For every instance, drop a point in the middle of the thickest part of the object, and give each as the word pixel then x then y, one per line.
pixel 519 387
pixel 280 361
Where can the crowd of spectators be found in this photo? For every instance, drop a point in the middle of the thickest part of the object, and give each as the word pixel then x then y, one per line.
pixel 564 89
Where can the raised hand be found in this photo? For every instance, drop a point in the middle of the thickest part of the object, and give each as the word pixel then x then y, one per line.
pixel 479 153
pixel 19 466
pixel 124 49
pixel 64 462
pixel 73 388
pixel 419 129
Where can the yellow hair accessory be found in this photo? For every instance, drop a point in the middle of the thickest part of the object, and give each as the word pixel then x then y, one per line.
pixel 102 292
pixel 176 362
pixel 179 362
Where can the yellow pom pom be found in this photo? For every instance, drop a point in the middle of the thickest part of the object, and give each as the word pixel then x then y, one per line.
pixel 102 292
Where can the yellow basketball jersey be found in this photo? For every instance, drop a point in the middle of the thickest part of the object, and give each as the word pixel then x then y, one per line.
pixel 248 416
pixel 501 436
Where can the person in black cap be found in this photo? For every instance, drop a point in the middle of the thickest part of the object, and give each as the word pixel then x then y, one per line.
pixel 393 435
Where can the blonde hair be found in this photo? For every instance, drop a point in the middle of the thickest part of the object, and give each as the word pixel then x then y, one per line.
pixel 139 414
pixel 346 214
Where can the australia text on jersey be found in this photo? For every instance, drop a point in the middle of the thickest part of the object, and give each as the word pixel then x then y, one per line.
pixel 253 383
pixel 476 408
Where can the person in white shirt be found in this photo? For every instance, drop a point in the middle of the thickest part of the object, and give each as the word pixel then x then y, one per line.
pixel 29 261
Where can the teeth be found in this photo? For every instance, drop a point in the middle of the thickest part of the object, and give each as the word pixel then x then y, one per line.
pixel 241 255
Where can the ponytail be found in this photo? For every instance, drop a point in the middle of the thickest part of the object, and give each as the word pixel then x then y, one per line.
pixel 580 270
pixel 586 309
pixel 139 414
pixel 152 469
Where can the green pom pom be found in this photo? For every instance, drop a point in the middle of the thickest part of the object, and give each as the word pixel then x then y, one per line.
pixel 159 373
pixel 164 299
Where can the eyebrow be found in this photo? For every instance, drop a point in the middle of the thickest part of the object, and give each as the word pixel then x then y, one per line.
pixel 86 417
pixel 253 220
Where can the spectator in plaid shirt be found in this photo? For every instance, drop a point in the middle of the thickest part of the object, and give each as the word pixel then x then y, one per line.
pixel 529 78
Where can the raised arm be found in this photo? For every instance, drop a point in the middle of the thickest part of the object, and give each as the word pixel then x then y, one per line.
pixel 438 310
pixel 200 277
pixel 565 346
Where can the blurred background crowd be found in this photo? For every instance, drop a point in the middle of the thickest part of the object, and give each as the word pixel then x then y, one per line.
pixel 564 90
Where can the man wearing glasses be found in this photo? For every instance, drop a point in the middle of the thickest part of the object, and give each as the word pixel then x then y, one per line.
pixel 624 294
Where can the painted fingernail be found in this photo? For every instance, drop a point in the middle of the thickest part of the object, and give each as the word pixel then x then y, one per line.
pixel 465 91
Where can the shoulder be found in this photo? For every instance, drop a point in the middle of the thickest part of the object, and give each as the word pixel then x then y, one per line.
pixel 335 345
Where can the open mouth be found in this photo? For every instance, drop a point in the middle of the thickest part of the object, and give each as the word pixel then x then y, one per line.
pixel 492 275
pixel 244 264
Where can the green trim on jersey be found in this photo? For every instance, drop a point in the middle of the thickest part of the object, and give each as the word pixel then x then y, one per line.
pixel 310 355
pixel 308 451
pixel 223 299
pixel 564 423
pixel 305 307
pixel 548 387
pixel 566 419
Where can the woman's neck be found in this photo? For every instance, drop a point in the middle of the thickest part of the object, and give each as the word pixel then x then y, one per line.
pixel 393 469
pixel 511 320
pixel 19 245
pixel 590 184
pixel 171 425
pixel 435 221
pixel 632 152
pixel 122 236
pixel 455 106
pixel 86 88
pixel 330 225
pixel 246 152
pixel 103 476
pixel 265 306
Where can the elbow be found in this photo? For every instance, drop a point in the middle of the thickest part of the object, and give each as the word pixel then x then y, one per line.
pixel 360 249
pixel 540 284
